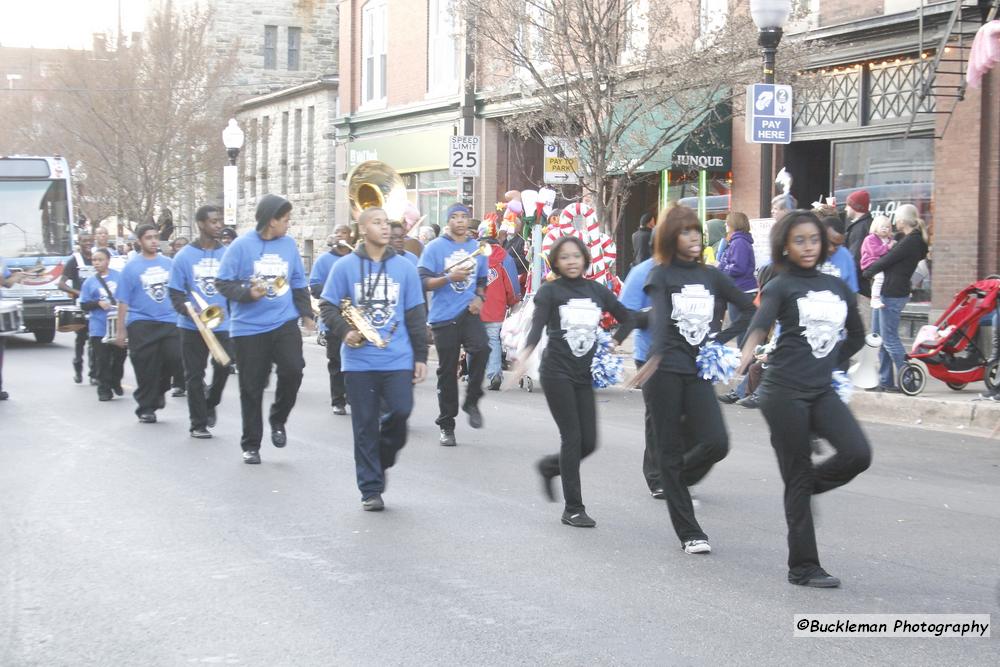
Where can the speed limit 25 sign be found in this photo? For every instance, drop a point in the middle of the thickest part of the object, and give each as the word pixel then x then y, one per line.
pixel 463 156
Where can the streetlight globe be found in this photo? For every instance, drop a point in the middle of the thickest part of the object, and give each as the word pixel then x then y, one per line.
pixel 770 14
pixel 232 136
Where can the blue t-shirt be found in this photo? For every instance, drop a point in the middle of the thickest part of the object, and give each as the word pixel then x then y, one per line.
pixel 93 290
pixel 410 256
pixel 383 292
pixel 321 271
pixel 251 257
pixel 4 271
pixel 195 270
pixel 635 298
pixel 841 265
pixel 143 286
pixel 452 298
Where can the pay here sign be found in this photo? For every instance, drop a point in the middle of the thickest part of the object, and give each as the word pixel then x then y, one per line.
pixel 769 114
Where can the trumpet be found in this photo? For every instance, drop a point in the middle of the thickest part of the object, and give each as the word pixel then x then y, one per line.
pixel 483 246
pixel 279 284
pixel 357 320
pixel 207 317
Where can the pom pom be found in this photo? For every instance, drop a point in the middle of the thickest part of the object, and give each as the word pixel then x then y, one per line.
pixel 606 368
pixel 717 363
pixel 843 386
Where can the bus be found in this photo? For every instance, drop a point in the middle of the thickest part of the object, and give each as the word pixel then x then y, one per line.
pixel 36 236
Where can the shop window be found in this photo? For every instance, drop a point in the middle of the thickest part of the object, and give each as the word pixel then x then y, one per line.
pixel 432 192
pixel 684 188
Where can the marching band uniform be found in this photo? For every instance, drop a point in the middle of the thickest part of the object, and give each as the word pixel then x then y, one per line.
pixel 109 359
pixel 379 382
pixel 195 269
pixel 78 269
pixel 265 331
pixel 683 294
pixel 317 280
pixel 152 330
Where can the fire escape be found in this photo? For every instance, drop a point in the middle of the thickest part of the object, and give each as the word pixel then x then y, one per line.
pixel 951 54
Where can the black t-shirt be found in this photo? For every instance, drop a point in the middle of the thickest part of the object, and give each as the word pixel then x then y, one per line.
pixel 73 272
pixel 684 296
pixel 820 327
pixel 571 309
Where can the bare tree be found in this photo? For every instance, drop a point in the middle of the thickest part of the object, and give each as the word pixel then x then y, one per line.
pixel 141 118
pixel 617 80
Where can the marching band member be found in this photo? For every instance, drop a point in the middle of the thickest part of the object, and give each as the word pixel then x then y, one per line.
pixel 97 297
pixel 816 312
pixel 196 266
pixel 78 268
pixel 458 284
pixel 144 310
pixel 317 279
pixel 397 239
pixel 571 308
pixel 7 279
pixel 262 276
pixel 387 291
pixel 687 422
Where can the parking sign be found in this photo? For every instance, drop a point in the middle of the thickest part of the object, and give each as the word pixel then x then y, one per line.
pixel 769 114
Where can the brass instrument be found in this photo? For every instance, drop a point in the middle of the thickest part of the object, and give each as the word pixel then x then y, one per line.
pixel 376 184
pixel 358 322
pixel 483 246
pixel 207 317
pixel 280 284
pixel 344 244
pixel 211 315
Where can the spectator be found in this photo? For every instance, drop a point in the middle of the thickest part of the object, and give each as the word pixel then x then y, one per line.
pixel 227 236
pixel 737 260
pixel 426 234
pixel 876 245
pixel 781 205
pixel 642 240
pixel 840 263
pixel 859 221
pixel 716 232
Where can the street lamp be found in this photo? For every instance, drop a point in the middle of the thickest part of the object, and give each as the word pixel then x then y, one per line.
pixel 232 138
pixel 769 16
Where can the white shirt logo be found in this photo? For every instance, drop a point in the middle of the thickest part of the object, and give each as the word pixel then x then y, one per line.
pixel 579 319
pixel 268 269
pixel 830 269
pixel 461 256
pixel 694 308
pixel 154 283
pixel 205 272
pixel 380 307
pixel 822 316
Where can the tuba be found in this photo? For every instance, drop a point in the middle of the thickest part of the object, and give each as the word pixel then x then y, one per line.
pixel 376 184
pixel 357 320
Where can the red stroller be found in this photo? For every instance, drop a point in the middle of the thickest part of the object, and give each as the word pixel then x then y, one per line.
pixel 948 350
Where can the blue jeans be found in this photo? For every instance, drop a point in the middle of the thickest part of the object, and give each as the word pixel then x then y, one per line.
pixel 381 402
pixel 885 322
pixel 494 363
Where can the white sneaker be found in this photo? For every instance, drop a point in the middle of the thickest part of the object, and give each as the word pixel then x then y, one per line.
pixel 697 547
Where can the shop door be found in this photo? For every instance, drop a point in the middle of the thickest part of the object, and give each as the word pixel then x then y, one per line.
pixel 809 164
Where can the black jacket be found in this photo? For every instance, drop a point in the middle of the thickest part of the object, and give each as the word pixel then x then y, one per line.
pixel 642 250
pixel 899 264
pixel 856 233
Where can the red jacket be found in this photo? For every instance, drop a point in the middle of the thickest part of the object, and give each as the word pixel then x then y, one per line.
pixel 499 290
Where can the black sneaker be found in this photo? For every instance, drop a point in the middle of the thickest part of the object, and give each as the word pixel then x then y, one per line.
pixel 178 392
pixel 495 383
pixel 147 418
pixel 200 433
pixel 4 396
pixel 78 375
pixel 253 456
pixel 729 398
pixel 103 396
pixel 373 504
pixel 340 409
pixel 278 436
pixel 657 493
pixel 117 389
pixel 578 520
pixel 210 418
pixel 475 416
pixel 447 438
pixel 750 401
pixel 546 483
pixel 820 578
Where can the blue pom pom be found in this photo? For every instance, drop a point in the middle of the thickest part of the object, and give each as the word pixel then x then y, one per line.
pixel 717 363
pixel 843 386
pixel 607 369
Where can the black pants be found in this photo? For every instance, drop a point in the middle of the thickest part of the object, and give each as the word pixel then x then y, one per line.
pixel 79 344
pixel 255 354
pixel 573 408
pixel 792 417
pixel 3 344
pixel 675 401
pixel 381 402
pixel 109 365
pixel 650 461
pixel 194 353
pixel 449 338
pixel 154 351
pixel 338 393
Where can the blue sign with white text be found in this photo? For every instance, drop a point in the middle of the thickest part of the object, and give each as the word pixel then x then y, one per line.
pixel 769 110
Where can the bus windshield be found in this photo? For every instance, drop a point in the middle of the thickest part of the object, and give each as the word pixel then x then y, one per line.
pixel 34 218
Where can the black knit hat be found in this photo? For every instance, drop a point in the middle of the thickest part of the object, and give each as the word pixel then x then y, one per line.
pixel 271 207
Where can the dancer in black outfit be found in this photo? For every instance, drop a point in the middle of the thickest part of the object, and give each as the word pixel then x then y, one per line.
pixel 796 395
pixel 571 307
pixel 687 422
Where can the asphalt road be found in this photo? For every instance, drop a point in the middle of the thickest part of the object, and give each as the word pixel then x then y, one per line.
pixel 131 544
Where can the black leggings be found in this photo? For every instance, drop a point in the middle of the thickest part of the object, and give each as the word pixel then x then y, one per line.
pixel 573 407
pixel 688 447
pixel 792 416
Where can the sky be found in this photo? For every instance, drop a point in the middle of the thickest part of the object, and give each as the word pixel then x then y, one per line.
pixel 55 24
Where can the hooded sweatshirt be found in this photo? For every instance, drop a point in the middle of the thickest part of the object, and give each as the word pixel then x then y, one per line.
pixel 737 261
pixel 501 290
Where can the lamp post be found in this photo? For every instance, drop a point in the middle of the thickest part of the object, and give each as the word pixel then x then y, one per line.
pixel 232 138
pixel 769 16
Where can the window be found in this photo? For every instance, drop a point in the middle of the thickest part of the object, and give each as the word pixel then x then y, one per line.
pixel 297 154
pixel 712 17
pixel 284 152
pixel 265 134
pixel 310 140
pixel 294 48
pixel 270 47
pixel 442 47
pixel 373 43
pixel 637 32
pixel 252 159
pixel 432 191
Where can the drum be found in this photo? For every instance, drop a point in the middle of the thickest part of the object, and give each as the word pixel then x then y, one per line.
pixel 112 331
pixel 11 317
pixel 70 318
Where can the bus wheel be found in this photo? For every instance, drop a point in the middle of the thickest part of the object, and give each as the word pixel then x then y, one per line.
pixel 46 335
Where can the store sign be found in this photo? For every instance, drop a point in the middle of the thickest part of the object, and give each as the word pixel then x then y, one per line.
pixel 710 162
pixel 769 114
pixel 463 156
pixel 561 164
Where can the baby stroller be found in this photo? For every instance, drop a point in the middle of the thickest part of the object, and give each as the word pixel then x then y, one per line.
pixel 947 349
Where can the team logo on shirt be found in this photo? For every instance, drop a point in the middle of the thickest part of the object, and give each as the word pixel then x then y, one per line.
pixel 831 269
pixel 578 319
pixel 205 272
pixel 380 307
pixel 154 283
pixel 693 310
pixel 268 269
pixel 467 262
pixel 822 316
pixel 492 275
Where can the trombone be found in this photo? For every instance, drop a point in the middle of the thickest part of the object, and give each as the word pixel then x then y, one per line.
pixel 207 317
pixel 483 245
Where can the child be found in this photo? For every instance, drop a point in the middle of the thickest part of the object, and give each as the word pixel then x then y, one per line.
pixel 876 244
pixel 97 298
